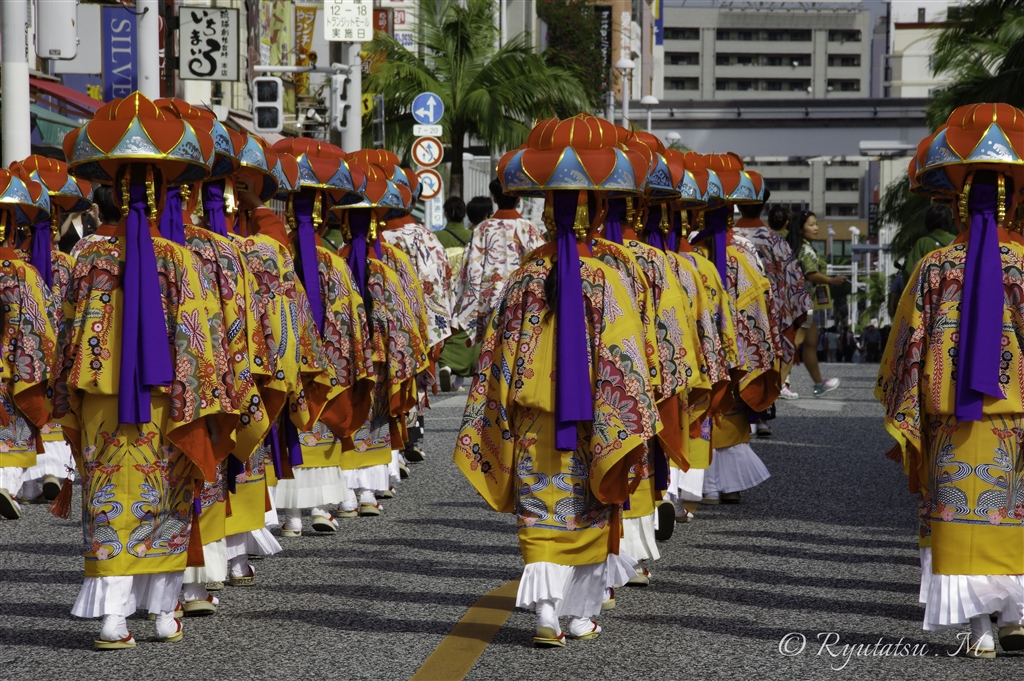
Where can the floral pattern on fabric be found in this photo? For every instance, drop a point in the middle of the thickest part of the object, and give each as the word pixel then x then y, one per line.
pixel 786 278
pixel 506 444
pixel 29 338
pixel 433 272
pixel 411 291
pixel 495 252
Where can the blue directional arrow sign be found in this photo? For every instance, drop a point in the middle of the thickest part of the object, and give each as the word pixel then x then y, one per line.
pixel 427 108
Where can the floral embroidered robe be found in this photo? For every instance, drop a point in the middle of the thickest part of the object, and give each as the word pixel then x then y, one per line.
pixel 968 475
pixel 432 272
pixel 138 481
pixel 566 503
pixel 496 250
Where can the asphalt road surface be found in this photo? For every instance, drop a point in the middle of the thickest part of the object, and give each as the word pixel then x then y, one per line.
pixel 824 552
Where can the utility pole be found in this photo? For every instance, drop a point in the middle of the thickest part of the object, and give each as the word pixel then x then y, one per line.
pixel 17 122
pixel 149 47
pixel 352 138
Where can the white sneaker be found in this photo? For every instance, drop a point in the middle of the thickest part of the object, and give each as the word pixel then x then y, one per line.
pixel 444 377
pixel 788 393
pixel 825 387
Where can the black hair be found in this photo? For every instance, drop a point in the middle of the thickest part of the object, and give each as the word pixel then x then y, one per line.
pixel 504 201
pixel 939 217
pixel 479 209
pixel 778 217
pixel 751 211
pixel 796 229
pixel 455 209
pixel 103 196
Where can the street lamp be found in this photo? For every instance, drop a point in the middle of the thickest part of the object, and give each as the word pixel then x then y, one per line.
pixel 649 101
pixel 673 138
pixel 831 253
pixel 852 305
pixel 625 68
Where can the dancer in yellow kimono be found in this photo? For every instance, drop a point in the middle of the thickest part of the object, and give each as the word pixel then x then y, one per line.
pixel 147 421
pixel 563 405
pixel 950 381
pixel 29 330
pixel 735 466
pixel 397 340
pixel 54 465
pixel 340 318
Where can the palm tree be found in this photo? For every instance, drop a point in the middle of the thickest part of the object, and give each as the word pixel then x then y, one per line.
pixel 901 207
pixel 981 50
pixel 493 94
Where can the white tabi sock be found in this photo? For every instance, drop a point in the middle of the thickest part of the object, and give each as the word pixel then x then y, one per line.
pixel 579 626
pixel 981 633
pixel 195 592
pixel 114 628
pixel 546 616
pixel 367 497
pixel 293 519
pixel 239 566
pixel 166 625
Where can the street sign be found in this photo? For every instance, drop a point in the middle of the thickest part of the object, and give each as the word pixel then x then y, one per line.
pixel 349 21
pixel 367 103
pixel 434 213
pixel 431 183
pixel 427 108
pixel 208 43
pixel 427 130
pixel 427 152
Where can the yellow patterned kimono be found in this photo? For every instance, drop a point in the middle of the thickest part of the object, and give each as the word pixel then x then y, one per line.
pixel 567 503
pixel 233 289
pixel 757 334
pixel 294 356
pixel 717 331
pixel 29 338
pixel 968 475
pixel 412 289
pixel 346 343
pixel 63 264
pixel 138 481
pixel 399 355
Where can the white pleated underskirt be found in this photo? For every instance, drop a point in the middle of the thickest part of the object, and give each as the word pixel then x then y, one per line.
pixel 685 485
pixel 577 590
pixel 215 555
pixel 371 478
pixel 394 472
pixel 638 538
pixel 734 469
pixel 55 460
pixel 11 479
pixel 312 488
pixel 256 543
pixel 270 518
pixel 123 596
pixel 953 600
pixel 926 573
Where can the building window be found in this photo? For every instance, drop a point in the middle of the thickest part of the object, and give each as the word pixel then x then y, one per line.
pixel 744 35
pixel 842 210
pixel 682 84
pixel 682 34
pixel 843 36
pixel 683 58
pixel 920 15
pixel 722 34
pixel 722 59
pixel 795 85
pixel 772 35
pixel 744 85
pixel 744 59
pixel 721 84
pixel 842 184
pixel 773 85
pixel 844 85
pixel 844 60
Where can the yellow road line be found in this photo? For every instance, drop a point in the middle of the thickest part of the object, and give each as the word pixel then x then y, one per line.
pixel 464 644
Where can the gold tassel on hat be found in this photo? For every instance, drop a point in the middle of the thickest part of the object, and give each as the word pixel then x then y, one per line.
pixel 151 193
pixel 317 209
pixel 549 215
pixel 581 225
pixel 685 222
pixel 289 214
pixel 125 197
pixel 664 224
pixel 1001 201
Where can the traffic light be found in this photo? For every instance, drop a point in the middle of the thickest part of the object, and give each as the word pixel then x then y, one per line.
pixel 341 108
pixel 267 104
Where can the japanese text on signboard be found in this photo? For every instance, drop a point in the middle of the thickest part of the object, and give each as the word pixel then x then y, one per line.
pixel 348 20
pixel 208 43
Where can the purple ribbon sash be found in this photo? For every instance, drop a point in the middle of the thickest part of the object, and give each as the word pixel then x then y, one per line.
pixel 574 397
pixel 274 441
pixel 359 225
pixel 145 354
pixel 172 225
pixel 979 350
pixel 652 229
pixel 41 256
pixel 291 441
pixel 213 206
pixel 308 271
pixel 717 224
pixel 613 220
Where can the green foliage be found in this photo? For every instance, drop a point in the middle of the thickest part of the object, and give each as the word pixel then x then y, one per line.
pixel 982 52
pixel 574 43
pixel 906 210
pixel 495 95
